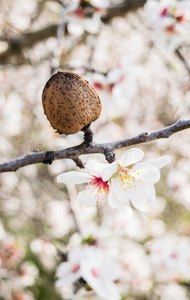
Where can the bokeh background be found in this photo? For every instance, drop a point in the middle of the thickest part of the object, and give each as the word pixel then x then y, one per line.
pixel 141 71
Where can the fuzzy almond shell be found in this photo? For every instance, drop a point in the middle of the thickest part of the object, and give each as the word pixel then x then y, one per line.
pixel 70 102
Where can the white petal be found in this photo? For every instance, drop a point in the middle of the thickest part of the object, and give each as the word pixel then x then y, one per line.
pixel 146 204
pixel 145 172
pixel 63 269
pixel 118 199
pixel 104 288
pixel 131 157
pixel 74 177
pixel 137 193
pixel 109 171
pixel 86 199
pixel 95 168
pixel 68 279
pixel 75 28
pixel 114 201
pixel 92 196
pixel 66 274
pixel 161 161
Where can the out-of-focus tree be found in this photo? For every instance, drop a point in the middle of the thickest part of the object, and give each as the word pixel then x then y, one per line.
pixel 135 53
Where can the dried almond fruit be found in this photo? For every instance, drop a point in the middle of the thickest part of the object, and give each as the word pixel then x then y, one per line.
pixel 70 102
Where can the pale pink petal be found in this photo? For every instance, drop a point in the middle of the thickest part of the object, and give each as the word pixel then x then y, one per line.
pixel 162 161
pixel 109 171
pixel 145 172
pixel 74 177
pixel 131 157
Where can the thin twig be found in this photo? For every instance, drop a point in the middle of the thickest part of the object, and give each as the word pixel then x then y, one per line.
pixel 183 60
pixel 75 152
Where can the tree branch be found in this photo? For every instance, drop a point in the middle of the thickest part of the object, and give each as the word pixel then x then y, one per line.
pixel 85 148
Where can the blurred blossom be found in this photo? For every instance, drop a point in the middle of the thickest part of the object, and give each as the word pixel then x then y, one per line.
pixel 77 26
pixel 100 4
pixel 59 218
pixel 10 253
pixel 170 258
pixel 118 86
pixel 11 114
pixel 46 252
pixel 27 274
pixel 136 270
pixel 172 291
pixel 94 266
pixel 171 21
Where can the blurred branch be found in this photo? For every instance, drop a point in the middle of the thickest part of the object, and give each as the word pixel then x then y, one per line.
pixel 86 148
pixel 122 8
pixel 27 40
pixel 183 60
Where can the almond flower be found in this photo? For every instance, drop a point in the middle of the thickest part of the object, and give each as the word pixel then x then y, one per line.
pixel 96 191
pixel 93 265
pixel 132 180
pixel 125 180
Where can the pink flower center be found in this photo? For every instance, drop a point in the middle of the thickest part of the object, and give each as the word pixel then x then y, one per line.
pixel 164 12
pixel 98 85
pixel 110 87
pixel 170 29
pixel 79 13
pixel 76 268
pixel 173 255
pixel 180 18
pixel 94 273
pixel 100 184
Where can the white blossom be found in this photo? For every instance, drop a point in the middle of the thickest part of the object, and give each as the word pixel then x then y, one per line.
pixel 94 267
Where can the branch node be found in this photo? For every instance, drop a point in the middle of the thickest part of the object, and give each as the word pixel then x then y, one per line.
pixel 109 155
pixel 48 157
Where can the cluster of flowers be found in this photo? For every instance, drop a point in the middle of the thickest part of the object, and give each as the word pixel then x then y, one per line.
pixel 93 265
pixel 119 83
pixel 116 184
pixel 85 15
pixel 170 19
pixel 112 274
pixel 16 275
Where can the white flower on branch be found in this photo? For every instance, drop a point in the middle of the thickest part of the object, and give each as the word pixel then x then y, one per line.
pixel 117 184
pixel 132 180
pixel 94 267
pixel 96 191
